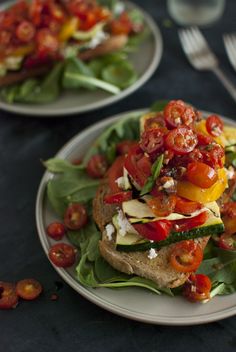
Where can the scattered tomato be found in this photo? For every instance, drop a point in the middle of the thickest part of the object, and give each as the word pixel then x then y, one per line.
pixel 197 288
pixel 97 166
pixel 75 216
pixel 186 256
pixel 214 125
pixel 181 140
pixel 201 174
pixel 28 289
pixel 62 255
pixel 8 295
pixel 56 230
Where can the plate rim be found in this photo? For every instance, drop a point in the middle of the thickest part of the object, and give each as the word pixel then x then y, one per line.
pixel 87 293
pixel 24 109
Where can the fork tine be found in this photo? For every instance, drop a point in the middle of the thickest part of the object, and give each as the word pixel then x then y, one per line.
pixel 230 47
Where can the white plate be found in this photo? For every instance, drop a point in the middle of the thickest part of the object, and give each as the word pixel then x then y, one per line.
pixel 132 303
pixel 145 60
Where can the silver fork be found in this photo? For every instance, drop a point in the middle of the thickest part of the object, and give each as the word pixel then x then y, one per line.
pixel 201 56
pixel 230 47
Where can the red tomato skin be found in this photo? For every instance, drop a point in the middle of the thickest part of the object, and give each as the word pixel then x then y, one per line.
pixel 185 206
pixel 25 31
pixel 227 242
pixel 8 296
pixel 203 139
pixel 152 141
pixel 47 42
pixel 62 255
pixel 177 113
pixel 56 230
pixel 181 140
pixel 154 231
pixel 214 125
pixel 156 121
pixel 123 147
pixel 188 224
pixel 75 216
pixel 28 289
pixel 197 288
pixel 138 165
pixel 201 174
pixel 162 204
pixel 97 166
pixel 117 198
pixel 114 172
pixel 186 256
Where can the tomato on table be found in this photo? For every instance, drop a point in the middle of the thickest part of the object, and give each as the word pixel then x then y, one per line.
pixel 181 140
pixel 152 141
pixel 186 256
pixel 56 230
pixel 214 125
pixel 62 255
pixel 117 198
pixel 75 216
pixel 188 224
pixel 138 165
pixel 28 289
pixel 25 31
pixel 8 295
pixel 185 206
pixel 201 174
pixel 154 231
pixel 227 242
pixel 177 113
pixel 197 288
pixel 162 204
pixel 97 166
pixel 123 147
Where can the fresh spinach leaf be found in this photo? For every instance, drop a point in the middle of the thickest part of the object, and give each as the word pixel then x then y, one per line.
pixel 120 74
pixel 156 169
pixel 159 105
pixel 57 165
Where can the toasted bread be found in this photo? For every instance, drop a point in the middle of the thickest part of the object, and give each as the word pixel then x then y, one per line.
pixel 157 269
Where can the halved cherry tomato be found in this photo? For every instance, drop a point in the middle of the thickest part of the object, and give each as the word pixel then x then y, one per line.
pixel 75 216
pixel 117 198
pixel 162 204
pixel 138 165
pixel 154 120
pixel 35 11
pixel 123 147
pixel 186 256
pixel 181 140
pixel 197 288
pixel 5 37
pixel 114 172
pixel 154 231
pixel 227 241
pixel 47 42
pixel 8 295
pixel 201 174
pixel 188 224
pixel 28 289
pixel 56 230
pixel 56 11
pixel 62 255
pixel 185 206
pixel 121 25
pixel 152 141
pixel 177 113
pixel 229 209
pixel 214 125
pixel 97 166
pixel 25 31
pixel 203 139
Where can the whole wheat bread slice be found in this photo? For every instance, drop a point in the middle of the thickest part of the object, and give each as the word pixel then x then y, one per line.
pixel 158 269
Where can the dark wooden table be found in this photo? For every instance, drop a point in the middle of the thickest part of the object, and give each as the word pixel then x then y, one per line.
pixel 72 323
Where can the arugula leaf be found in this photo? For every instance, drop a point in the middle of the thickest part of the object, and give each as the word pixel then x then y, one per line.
pixel 159 105
pixel 57 165
pixel 156 168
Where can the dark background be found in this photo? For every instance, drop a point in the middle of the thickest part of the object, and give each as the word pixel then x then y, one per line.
pixel 72 323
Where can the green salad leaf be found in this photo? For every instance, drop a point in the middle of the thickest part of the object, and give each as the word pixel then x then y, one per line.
pixel 57 165
pixel 156 169
pixel 121 74
pixel 159 105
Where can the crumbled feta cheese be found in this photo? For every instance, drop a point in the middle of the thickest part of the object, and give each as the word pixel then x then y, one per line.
pixel 151 241
pixel 97 39
pixel 230 172
pixel 124 225
pixel 168 184
pixel 121 182
pixel 178 120
pixel 152 254
pixel 109 231
pixel 118 8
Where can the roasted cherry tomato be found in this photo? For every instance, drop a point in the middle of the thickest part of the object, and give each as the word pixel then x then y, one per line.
pixel 8 295
pixel 152 141
pixel 181 140
pixel 114 172
pixel 25 31
pixel 123 147
pixel 227 242
pixel 138 165
pixel 75 216
pixel 186 256
pixel 154 120
pixel 28 289
pixel 35 11
pixel 47 42
pixel 62 255
pixel 5 37
pixel 203 139
pixel 177 113
pixel 213 155
pixel 117 198
pixel 121 25
pixel 185 206
pixel 214 125
pixel 188 224
pixel 56 230
pixel 97 166
pixel 154 231
pixel 197 288
pixel 56 11
pixel 162 204
pixel 201 174
pixel 229 209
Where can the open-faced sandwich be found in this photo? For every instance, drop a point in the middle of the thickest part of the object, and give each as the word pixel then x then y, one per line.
pixel 161 191
pixel 71 44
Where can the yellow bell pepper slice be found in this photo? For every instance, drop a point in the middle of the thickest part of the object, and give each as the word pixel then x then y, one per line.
pixel 68 29
pixel 189 191
pixel 22 51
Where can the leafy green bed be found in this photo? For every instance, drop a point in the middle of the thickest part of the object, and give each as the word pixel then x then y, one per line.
pixel 92 270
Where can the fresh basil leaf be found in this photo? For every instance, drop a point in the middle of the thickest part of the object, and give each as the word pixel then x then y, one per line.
pixel 159 105
pixel 156 169
pixel 57 165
